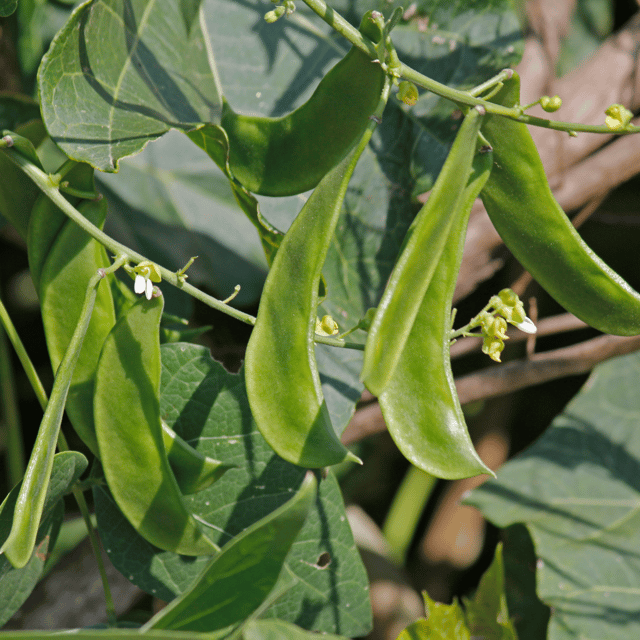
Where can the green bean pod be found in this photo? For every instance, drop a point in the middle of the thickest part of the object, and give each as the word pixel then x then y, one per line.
pixel 290 154
pixel 129 433
pixel 283 383
pixel 420 253
pixel 420 403
pixel 72 259
pixel 532 224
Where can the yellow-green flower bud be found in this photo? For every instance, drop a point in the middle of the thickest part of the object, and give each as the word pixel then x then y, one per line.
pixel 493 348
pixel 618 117
pixel 550 104
pixel 509 297
pixel 408 93
pixel 365 322
pixel 327 326
pixel 272 16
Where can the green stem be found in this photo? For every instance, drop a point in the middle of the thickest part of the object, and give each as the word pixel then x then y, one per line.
pixel 47 186
pixel 77 491
pixel 337 22
pixel 19 546
pixel 342 26
pixel 61 173
pixel 112 620
pixel 338 342
pixel 21 352
pixel 505 74
pixel 405 511
pixel 15 447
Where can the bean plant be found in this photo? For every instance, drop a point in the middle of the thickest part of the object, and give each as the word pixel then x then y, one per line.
pixel 288 141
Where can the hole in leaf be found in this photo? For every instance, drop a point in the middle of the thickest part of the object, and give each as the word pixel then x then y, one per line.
pixel 324 560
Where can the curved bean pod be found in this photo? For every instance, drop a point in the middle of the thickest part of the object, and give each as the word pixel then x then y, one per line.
pixel 283 384
pixel 420 403
pixel 288 155
pixel 418 260
pixel 532 224
pixel 129 433
pixel 72 259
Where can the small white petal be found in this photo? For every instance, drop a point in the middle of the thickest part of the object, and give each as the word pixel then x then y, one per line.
pixel 527 326
pixel 149 289
pixel 139 284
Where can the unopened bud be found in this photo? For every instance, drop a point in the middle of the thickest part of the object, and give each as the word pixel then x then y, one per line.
pixel 408 93
pixel 550 104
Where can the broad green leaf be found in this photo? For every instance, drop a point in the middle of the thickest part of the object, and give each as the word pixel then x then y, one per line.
pixel 279 630
pixel 240 577
pixel 576 491
pixel 208 407
pixel 486 613
pixel 16 584
pixel 171 202
pixel 121 73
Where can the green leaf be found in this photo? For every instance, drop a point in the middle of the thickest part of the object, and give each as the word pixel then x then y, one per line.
pixel 486 613
pixel 18 193
pixel 576 491
pixel 16 584
pixel 7 7
pixel 121 73
pixel 171 202
pixel 240 577
pixel 279 630
pixel 208 407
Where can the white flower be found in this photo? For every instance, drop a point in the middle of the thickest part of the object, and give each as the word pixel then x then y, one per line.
pixel 527 326
pixel 143 285
pixel 146 274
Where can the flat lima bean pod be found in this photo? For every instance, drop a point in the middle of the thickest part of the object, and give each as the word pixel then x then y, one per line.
pixel 420 403
pixel 283 383
pixel 532 224
pixel 288 155
pixel 129 431
pixel 418 259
